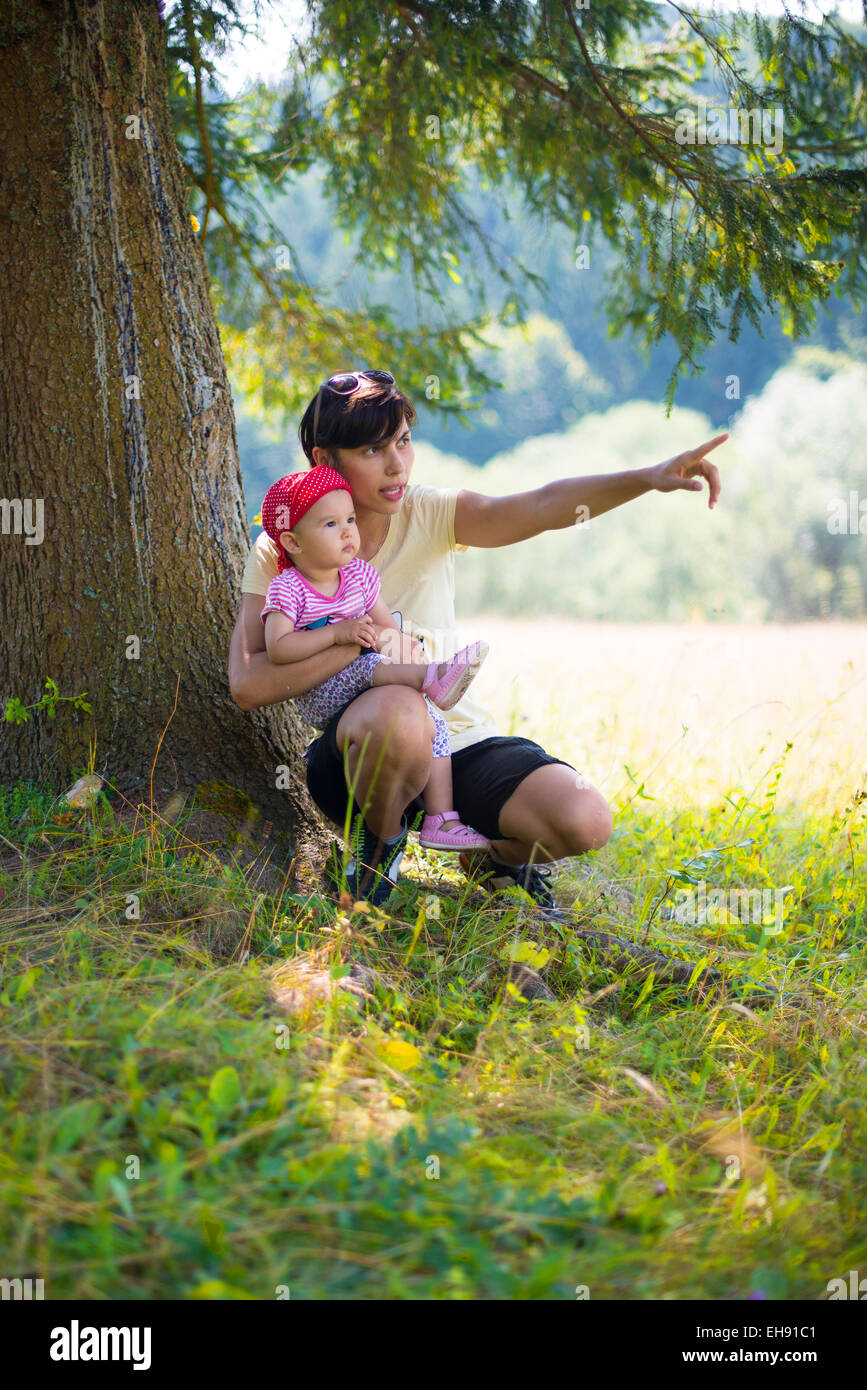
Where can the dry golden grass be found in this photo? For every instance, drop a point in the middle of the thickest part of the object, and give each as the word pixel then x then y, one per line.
pixel 693 711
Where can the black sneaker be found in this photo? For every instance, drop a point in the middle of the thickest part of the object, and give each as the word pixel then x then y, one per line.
pixel 494 877
pixel 364 884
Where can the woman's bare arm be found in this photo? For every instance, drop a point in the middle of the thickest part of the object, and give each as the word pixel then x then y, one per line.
pixel 253 678
pixel 286 646
pixel 490 521
pixel 255 681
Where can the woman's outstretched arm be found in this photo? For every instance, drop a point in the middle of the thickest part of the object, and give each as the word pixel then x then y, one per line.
pixel 490 521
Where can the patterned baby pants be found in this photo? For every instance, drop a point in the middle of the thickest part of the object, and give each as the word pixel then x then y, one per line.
pixel 322 702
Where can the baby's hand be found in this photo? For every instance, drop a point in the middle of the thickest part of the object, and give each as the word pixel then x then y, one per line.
pixel 354 632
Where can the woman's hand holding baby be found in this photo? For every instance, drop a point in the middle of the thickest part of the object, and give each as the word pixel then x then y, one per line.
pixel 354 632
pixel 394 645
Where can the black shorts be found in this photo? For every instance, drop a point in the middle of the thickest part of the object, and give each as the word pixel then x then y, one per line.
pixel 484 776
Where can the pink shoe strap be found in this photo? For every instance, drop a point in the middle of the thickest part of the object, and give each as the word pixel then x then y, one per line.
pixel 441 816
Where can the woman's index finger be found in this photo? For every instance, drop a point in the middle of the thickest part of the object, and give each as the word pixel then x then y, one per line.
pixel 711 444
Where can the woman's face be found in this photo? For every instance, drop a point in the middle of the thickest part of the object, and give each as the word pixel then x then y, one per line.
pixel 377 473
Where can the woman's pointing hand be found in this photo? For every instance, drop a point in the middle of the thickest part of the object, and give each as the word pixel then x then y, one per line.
pixel 685 471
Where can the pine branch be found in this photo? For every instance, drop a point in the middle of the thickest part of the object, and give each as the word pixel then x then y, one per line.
pixel 204 135
pixel 624 115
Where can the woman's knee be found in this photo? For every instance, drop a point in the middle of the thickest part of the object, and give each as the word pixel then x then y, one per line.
pixel 394 726
pixel 583 823
pixel 561 811
pixel 402 722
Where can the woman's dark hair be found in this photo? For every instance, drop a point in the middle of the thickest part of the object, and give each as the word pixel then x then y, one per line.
pixel 371 415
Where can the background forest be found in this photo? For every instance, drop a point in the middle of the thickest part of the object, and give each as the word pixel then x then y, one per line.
pixel 579 398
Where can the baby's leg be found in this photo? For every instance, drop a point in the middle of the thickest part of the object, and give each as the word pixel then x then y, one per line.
pixel 412 673
pixel 322 702
pixel 443 682
pixel 449 834
pixel 409 673
pixel 437 794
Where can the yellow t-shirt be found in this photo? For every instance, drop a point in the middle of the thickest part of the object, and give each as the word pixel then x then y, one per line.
pixel 416 566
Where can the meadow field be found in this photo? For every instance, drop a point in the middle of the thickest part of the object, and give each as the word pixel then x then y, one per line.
pixel 246 1093
pixel 693 711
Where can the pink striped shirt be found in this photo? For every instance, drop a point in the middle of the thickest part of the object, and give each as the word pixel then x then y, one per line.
pixel 292 594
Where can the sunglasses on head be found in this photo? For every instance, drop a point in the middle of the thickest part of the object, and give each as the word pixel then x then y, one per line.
pixel 345 384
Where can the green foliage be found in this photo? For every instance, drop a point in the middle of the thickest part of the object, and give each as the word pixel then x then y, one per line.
pixel 23 803
pixel 569 119
pixel 547 385
pixel 797 488
pixel 18 713
pixel 225 1090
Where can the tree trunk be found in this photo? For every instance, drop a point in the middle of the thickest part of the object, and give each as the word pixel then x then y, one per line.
pixel 116 414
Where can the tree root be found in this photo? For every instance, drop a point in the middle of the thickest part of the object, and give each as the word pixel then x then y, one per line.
pixel 623 957
pixel 626 957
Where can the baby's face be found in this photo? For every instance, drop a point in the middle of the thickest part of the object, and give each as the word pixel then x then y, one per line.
pixel 327 536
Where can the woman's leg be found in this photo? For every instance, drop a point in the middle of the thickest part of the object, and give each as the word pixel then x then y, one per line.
pixel 386 737
pixel 552 814
pixel 528 802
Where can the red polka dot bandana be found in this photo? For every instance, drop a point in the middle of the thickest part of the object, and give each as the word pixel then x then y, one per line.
pixel 289 498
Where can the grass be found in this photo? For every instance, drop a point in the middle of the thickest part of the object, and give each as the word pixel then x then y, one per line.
pixel 194 1106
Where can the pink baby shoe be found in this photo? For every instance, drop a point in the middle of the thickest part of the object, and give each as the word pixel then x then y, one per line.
pixel 434 835
pixel 445 690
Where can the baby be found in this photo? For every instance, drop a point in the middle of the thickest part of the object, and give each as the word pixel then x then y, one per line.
pixel 325 594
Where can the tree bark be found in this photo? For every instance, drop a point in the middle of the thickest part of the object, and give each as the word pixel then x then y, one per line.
pixel 115 410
